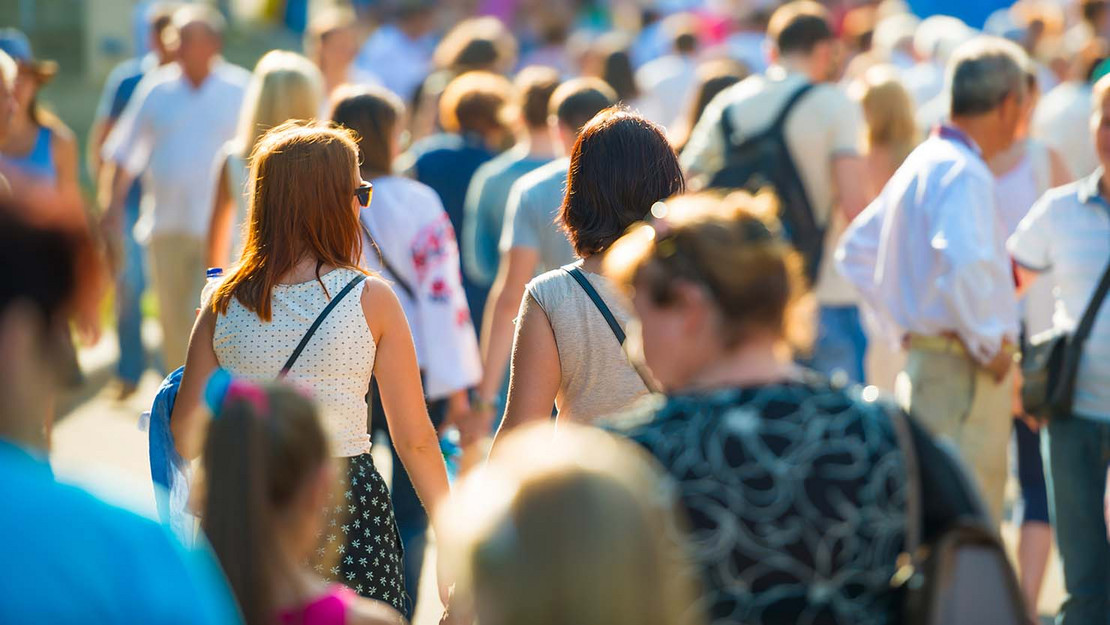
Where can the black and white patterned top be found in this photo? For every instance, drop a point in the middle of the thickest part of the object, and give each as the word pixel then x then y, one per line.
pixel 795 494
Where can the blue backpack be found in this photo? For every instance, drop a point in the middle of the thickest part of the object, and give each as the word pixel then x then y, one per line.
pixel 167 467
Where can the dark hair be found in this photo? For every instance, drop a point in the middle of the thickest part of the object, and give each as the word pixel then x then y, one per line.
pixel 38 267
pixel 797 27
pixel 621 165
pixel 616 68
pixel 683 31
pixel 534 85
pixel 254 465
pixel 1092 10
pixel 373 113
pixel 576 101
pixel 713 77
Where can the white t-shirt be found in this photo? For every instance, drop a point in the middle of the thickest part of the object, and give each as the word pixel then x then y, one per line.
pixel 666 84
pixel 172 133
pixel 825 124
pixel 1063 122
pixel 401 63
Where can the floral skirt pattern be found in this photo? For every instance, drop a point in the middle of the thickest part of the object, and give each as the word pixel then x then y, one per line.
pixel 360 546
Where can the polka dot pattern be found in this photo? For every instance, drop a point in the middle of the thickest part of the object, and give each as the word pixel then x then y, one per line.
pixel 334 368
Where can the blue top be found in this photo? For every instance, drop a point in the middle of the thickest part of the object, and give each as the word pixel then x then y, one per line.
pixel 973 14
pixel 446 163
pixel 39 162
pixel 70 558
pixel 484 212
pixel 120 98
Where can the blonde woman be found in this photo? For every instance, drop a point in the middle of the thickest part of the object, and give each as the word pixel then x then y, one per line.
pixel 891 129
pixel 284 86
pixel 572 527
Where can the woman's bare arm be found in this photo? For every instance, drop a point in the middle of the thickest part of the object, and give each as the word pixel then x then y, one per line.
pixel 535 373
pixel 188 422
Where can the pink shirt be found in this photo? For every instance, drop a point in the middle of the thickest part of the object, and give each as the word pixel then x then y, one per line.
pixel 327 609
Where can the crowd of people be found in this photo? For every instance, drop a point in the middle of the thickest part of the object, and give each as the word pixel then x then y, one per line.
pixel 770 269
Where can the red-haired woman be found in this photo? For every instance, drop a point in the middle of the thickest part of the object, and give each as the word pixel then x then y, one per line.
pixel 302 248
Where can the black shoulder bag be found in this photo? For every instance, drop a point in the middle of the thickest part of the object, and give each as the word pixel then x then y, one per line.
pixel 1050 362
pixel 603 308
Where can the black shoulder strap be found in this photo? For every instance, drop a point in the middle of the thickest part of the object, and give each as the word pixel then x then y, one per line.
pixel 777 123
pixel 1082 331
pixel 386 265
pixel 595 297
pixel 316 324
pixel 603 308
pixel 780 121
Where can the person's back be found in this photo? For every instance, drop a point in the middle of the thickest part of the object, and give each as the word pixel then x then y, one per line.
pixel 72 558
pixel 595 377
pixel 763 498
pixel 337 366
pixel 1062 120
pixel 446 163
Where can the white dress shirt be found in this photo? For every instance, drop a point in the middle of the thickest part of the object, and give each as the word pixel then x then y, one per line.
pixel 415 236
pixel 928 255
pixel 172 132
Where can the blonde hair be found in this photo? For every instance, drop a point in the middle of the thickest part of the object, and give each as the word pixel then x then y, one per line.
pixel 574 526
pixel 285 86
pixel 731 245
pixel 889 112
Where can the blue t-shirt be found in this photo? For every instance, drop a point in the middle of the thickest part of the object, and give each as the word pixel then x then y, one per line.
pixel 70 558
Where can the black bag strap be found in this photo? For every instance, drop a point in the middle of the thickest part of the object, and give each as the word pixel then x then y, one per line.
pixel 777 124
pixel 316 324
pixel 1087 322
pixel 603 308
pixel 904 435
pixel 386 265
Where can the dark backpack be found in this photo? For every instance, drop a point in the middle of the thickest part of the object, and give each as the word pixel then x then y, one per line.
pixel 763 161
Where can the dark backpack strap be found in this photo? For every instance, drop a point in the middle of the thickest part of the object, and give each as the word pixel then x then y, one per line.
pixel 903 434
pixel 780 121
pixel 599 303
pixel 316 324
pixel 386 265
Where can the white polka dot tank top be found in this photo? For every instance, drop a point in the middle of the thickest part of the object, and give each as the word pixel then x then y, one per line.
pixel 334 368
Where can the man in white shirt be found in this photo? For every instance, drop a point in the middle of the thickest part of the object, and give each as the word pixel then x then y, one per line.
pixel 929 258
pixel 1068 232
pixel 822 134
pixel 170 132
pixel 400 54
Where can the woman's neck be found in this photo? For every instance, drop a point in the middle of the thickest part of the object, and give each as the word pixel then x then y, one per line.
pixel 305 270
pixel 764 360
pixel 593 262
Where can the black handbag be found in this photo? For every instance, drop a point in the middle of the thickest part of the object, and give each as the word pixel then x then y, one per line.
pixel 1050 362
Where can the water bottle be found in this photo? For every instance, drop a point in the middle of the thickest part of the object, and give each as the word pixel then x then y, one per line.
pixel 212 279
pixel 452 453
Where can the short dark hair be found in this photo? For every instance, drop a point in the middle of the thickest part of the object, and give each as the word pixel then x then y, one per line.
pixel 373 113
pixel 797 27
pixel 576 101
pixel 1092 10
pixel 534 86
pixel 621 164
pixel 38 267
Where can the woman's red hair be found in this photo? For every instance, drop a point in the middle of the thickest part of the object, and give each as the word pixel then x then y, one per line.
pixel 302 182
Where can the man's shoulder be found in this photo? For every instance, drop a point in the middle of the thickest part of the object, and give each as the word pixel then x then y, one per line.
pixel 544 180
pixel 232 74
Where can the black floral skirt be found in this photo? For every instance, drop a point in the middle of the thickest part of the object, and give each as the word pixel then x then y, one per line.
pixel 360 546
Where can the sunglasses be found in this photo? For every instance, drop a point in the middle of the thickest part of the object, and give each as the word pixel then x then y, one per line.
pixel 363 193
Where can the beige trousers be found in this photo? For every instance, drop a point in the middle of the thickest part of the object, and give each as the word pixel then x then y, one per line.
pixel 955 398
pixel 177 271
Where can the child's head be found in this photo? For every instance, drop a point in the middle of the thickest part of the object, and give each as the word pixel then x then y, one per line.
pixel 575 526
pixel 267 476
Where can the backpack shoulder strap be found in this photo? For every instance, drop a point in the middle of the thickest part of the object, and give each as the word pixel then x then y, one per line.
pixel 796 97
pixel 316 324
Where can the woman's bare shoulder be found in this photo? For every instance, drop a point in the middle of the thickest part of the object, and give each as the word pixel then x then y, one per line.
pixel 370 612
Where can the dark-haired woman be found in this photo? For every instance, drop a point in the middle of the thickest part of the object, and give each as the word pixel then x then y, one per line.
pixel 302 251
pixel 565 352
pixel 409 239
pixel 795 489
